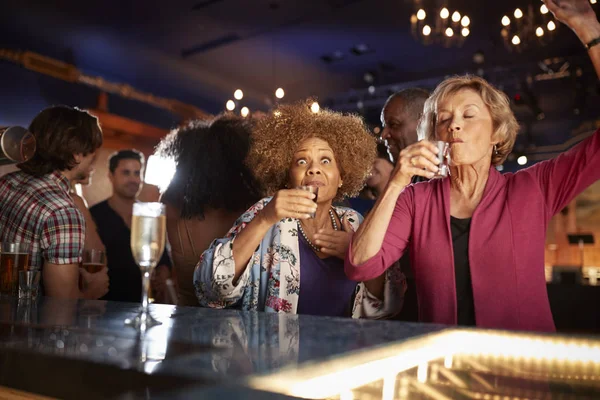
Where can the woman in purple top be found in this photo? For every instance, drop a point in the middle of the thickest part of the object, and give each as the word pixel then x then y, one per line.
pixel 476 239
pixel 279 258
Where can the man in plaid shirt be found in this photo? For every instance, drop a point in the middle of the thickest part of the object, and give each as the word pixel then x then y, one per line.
pixel 35 205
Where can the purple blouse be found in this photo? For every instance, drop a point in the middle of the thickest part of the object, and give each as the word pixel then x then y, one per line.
pixel 324 287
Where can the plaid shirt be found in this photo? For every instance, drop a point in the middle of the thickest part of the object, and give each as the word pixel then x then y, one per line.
pixel 40 211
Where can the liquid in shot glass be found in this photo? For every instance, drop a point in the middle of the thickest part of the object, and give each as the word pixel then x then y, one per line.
pixel 443 156
pixel 312 189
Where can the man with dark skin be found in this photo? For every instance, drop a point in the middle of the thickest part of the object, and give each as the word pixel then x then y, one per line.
pixel 399 118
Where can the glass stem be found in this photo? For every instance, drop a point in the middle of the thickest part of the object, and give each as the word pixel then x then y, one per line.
pixel 145 290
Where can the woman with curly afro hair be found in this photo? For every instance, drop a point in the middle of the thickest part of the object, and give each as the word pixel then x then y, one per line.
pixel 286 253
pixel 211 188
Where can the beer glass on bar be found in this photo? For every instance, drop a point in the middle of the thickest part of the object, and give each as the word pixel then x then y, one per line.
pixel 14 257
pixel 148 232
pixel 92 260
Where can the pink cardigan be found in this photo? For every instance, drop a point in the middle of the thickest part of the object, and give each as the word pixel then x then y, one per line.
pixel 506 241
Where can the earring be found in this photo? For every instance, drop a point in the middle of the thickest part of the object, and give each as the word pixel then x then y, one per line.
pixel 495 150
pixel 341 183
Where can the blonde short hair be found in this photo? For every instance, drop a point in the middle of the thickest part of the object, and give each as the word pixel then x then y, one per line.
pixel 504 122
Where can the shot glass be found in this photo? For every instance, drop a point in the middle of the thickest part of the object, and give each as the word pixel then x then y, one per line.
pixel 312 189
pixel 444 158
pixel 29 283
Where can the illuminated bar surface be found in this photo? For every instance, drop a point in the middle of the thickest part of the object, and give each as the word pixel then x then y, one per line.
pixel 80 349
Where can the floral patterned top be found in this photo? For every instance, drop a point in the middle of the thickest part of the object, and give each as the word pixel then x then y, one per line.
pixel 271 280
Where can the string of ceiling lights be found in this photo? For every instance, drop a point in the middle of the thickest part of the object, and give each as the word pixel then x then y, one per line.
pixel 238 96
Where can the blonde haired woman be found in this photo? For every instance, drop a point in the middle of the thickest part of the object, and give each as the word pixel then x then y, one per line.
pixel 476 239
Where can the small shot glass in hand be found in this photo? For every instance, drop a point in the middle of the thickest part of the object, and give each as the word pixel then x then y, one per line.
pixel 29 283
pixel 444 158
pixel 312 189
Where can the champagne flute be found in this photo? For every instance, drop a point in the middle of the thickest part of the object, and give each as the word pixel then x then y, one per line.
pixel 148 231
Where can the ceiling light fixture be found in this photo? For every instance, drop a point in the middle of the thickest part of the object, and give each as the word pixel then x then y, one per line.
pixel 528 26
pixel 437 23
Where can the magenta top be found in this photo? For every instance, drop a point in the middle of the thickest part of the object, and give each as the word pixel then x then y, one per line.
pixel 506 241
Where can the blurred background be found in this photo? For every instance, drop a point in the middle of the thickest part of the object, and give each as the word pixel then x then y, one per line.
pixel 144 67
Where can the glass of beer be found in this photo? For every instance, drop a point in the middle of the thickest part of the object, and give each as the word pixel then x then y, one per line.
pixel 14 257
pixel 148 235
pixel 92 260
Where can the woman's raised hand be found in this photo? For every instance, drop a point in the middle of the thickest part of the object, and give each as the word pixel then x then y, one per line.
pixel 290 203
pixel 417 159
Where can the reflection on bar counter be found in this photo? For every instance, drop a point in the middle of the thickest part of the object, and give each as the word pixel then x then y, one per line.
pixel 454 364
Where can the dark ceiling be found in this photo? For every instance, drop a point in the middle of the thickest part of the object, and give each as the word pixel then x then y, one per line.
pixel 200 51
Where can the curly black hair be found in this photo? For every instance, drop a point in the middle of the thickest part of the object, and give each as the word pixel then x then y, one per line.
pixel 210 170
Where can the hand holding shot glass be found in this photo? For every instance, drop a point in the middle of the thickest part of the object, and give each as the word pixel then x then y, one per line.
pixel 427 159
pixel 315 191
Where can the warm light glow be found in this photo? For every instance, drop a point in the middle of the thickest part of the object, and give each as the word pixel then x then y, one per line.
pixel 544 9
pixel 522 160
pixel 551 25
pixel 426 30
pixel 159 171
pixel 539 31
pixel 314 107
pixel 238 94
pixel 245 111
pixel 593 1
pixel 465 21
pixel 449 32
pixel 516 40
pixel 505 21
pixel 444 13
pixel 279 93
pixel 230 105
pixel 518 13
pixel 422 372
pixel 465 32
pixel 335 380
pixel 421 15
pixel 455 16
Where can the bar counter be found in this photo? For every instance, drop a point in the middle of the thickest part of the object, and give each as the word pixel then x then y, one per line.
pixel 65 349
pixel 81 349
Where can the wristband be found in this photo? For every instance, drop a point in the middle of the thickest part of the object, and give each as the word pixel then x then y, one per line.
pixel 592 43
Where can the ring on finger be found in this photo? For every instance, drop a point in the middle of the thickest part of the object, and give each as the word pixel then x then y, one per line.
pixel 412 161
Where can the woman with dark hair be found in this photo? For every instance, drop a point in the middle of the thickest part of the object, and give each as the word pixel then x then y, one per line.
pixel 285 254
pixel 210 189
